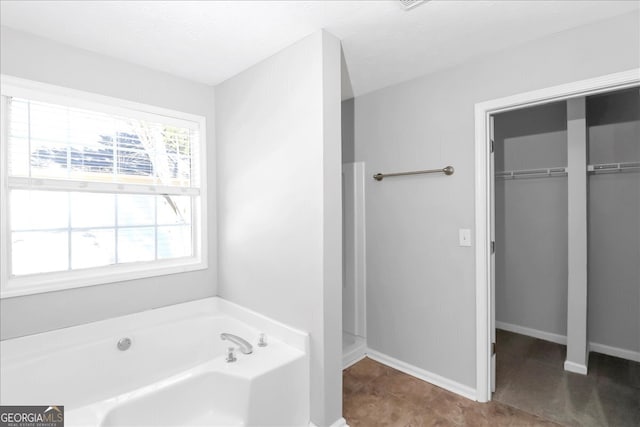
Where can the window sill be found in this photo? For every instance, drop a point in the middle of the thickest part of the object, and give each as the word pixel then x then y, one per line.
pixel 50 282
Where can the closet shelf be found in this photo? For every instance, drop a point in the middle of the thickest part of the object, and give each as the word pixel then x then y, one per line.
pixel 532 173
pixel 613 167
pixel 548 172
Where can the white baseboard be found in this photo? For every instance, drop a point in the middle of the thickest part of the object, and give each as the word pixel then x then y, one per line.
pixel 355 354
pixel 615 351
pixel 430 377
pixel 575 367
pixel 535 333
pixel 339 423
pixel 347 362
pixel 561 339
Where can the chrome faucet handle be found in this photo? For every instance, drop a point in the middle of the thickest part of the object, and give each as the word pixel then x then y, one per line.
pixel 124 343
pixel 230 356
pixel 262 341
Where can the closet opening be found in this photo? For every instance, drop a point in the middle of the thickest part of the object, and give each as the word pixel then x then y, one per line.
pixel 484 180
pixel 565 276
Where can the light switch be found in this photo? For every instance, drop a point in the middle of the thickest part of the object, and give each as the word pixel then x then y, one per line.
pixel 465 237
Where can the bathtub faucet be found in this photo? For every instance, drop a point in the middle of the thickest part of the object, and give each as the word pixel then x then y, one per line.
pixel 243 344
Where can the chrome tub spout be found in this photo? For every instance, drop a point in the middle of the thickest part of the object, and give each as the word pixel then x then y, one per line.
pixel 243 344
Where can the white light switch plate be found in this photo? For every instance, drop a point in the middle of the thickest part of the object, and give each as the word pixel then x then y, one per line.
pixel 465 237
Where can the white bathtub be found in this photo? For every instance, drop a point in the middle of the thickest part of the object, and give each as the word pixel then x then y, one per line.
pixel 174 373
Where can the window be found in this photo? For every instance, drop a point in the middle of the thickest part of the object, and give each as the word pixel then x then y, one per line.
pixel 96 190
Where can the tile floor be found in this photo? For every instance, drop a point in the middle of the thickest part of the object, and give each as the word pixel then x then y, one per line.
pixel 377 395
pixel 532 390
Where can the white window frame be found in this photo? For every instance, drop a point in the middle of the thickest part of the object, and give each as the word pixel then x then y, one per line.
pixel 54 281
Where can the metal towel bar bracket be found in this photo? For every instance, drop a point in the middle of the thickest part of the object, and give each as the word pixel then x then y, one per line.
pixel 448 170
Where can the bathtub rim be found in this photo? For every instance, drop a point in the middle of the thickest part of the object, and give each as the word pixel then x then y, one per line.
pixel 210 306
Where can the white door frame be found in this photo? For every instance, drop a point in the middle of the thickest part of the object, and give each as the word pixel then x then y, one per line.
pixel 483 202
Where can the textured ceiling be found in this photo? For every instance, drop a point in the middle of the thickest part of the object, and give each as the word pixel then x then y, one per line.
pixel 210 41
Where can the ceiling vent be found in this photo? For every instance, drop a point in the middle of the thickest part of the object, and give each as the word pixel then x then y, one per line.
pixel 410 4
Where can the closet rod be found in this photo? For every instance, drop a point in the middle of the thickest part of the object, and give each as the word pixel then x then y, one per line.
pixel 614 167
pixel 447 170
pixel 532 173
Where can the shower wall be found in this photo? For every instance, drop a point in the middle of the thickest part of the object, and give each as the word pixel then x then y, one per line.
pixel 353 271
pixel 353 238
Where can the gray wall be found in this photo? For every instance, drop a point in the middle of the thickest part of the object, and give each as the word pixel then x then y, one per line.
pixel 531 219
pixel 614 222
pixel 39 59
pixel 420 283
pixel 279 205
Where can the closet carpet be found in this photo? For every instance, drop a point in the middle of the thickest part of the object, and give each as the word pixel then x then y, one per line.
pixel 532 390
pixel 530 376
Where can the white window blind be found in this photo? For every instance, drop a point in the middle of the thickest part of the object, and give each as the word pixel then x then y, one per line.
pixel 92 190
